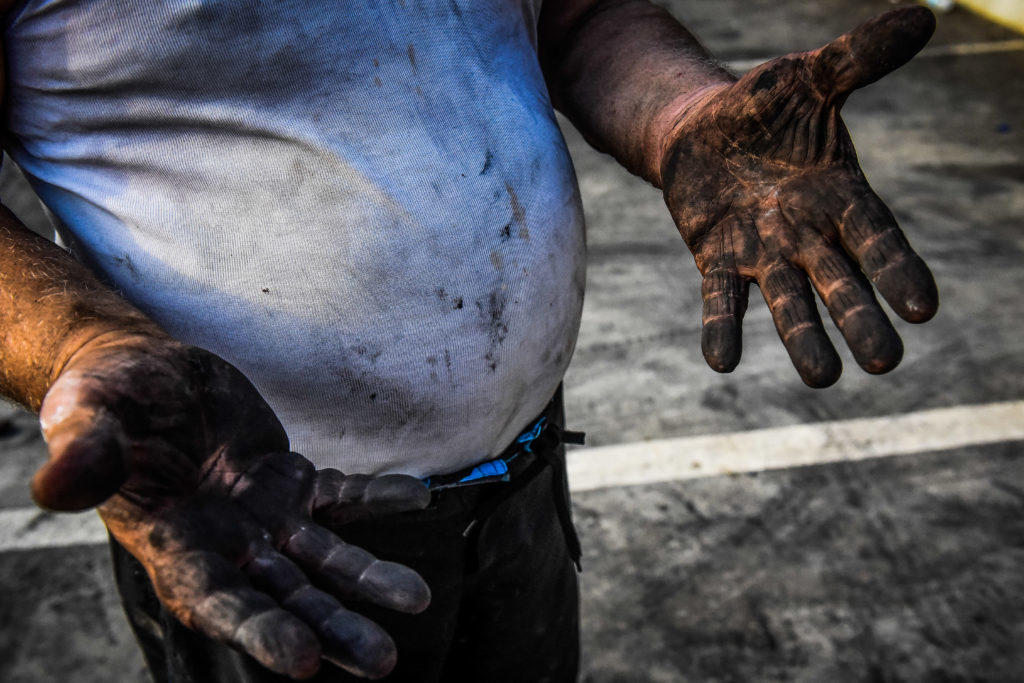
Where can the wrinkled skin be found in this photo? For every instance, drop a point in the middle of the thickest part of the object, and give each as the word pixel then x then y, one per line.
pixel 207 497
pixel 763 183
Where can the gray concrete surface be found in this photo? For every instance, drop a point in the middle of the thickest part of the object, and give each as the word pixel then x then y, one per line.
pixel 902 569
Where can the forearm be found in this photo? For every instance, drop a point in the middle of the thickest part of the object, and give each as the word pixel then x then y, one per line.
pixel 622 71
pixel 49 306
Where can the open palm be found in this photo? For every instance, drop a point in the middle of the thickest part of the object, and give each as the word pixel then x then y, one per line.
pixel 195 479
pixel 763 183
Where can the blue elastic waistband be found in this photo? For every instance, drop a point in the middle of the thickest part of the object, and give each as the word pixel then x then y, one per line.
pixel 492 470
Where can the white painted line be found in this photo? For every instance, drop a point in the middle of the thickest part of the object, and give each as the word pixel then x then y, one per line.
pixel 794 446
pixel 649 462
pixel 28 528
pixel 962 49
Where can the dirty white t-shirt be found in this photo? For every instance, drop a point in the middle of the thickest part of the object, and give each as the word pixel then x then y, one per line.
pixel 366 206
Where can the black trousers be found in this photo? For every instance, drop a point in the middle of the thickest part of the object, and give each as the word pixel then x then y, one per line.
pixel 505 605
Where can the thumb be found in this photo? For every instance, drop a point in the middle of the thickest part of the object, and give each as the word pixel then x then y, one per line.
pixel 88 456
pixel 877 47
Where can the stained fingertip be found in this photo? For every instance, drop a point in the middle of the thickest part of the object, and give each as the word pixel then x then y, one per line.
pixel 822 374
pixel 282 643
pixel 386 665
pixel 884 359
pixel 901 33
pixel 877 47
pixel 724 293
pixel 876 346
pixel 396 586
pixel 358 645
pixel 884 355
pixel 910 289
pixel 920 23
pixel 815 359
pixel 919 310
pixel 722 344
pixel 347 639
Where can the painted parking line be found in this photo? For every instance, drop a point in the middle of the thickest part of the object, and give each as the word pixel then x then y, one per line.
pixel 650 462
pixel 664 460
pixel 957 50
pixel 30 528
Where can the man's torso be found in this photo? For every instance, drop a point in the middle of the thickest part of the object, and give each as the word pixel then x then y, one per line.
pixel 366 206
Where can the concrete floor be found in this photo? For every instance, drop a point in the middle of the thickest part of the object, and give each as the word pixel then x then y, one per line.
pixel 895 569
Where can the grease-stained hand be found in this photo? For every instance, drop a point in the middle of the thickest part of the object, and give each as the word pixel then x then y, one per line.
pixel 195 479
pixel 763 183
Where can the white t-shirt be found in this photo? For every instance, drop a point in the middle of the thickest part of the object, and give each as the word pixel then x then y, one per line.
pixel 366 206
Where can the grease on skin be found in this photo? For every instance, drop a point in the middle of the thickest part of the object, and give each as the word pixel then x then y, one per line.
pixel 759 175
pixel 209 508
pixel 762 180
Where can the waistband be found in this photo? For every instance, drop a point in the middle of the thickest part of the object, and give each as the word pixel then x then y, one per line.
pixel 543 434
pixel 529 454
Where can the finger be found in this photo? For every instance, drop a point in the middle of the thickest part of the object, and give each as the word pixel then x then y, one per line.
pixel 349 640
pixel 875 48
pixel 351 572
pixel 870 233
pixel 339 499
pixel 725 301
pixel 88 453
pixel 853 307
pixel 210 595
pixel 789 297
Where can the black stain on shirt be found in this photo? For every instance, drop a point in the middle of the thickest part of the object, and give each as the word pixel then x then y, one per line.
pixel 363 351
pixel 518 212
pixel 126 263
pixel 384 402
pixel 492 314
pixel 488 160
pixel 432 362
pixel 442 296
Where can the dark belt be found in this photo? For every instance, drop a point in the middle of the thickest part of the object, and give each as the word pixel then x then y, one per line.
pixel 519 464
